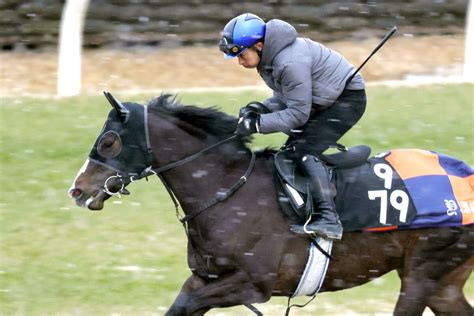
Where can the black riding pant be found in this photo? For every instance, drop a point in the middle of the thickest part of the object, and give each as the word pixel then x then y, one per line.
pixel 326 126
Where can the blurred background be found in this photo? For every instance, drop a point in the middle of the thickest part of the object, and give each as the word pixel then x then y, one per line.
pixel 140 45
pixel 130 258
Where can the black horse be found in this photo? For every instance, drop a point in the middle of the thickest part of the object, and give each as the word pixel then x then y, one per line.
pixel 240 248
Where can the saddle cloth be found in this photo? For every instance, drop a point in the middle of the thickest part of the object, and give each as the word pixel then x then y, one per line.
pixel 440 187
pixel 399 189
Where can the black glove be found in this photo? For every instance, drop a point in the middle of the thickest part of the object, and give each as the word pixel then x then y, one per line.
pixel 254 106
pixel 248 124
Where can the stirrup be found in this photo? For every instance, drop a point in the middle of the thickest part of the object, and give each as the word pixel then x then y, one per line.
pixel 298 229
pixel 327 234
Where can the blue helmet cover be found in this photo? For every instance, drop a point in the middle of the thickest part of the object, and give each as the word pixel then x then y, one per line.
pixel 244 30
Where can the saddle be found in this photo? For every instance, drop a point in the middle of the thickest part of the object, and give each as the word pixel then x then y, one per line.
pixel 293 196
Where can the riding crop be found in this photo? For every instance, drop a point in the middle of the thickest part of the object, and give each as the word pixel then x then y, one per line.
pixel 385 39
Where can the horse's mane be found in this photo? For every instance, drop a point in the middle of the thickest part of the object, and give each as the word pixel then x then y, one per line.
pixel 208 120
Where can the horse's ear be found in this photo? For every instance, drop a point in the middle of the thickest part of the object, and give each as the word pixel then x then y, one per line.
pixel 122 111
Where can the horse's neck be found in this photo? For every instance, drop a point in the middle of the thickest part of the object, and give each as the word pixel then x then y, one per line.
pixel 198 182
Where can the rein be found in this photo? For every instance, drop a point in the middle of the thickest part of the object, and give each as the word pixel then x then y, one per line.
pixel 223 195
pixel 149 171
pixel 220 196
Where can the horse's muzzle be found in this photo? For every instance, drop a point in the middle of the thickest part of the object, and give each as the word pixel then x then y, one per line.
pixel 93 202
pixel 76 193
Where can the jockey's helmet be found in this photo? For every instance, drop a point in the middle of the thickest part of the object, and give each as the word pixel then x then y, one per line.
pixel 241 33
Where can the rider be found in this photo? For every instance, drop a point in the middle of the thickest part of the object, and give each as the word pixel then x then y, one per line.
pixel 311 102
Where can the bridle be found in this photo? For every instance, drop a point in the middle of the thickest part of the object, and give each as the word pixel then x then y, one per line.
pixel 118 193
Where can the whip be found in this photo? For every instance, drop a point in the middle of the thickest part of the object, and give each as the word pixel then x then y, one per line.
pixel 385 39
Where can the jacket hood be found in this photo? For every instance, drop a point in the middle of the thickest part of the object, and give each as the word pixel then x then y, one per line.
pixel 278 35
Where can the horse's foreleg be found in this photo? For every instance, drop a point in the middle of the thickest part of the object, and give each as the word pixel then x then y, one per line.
pixel 179 306
pixel 230 290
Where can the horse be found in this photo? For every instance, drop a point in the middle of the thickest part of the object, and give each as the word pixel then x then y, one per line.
pixel 240 248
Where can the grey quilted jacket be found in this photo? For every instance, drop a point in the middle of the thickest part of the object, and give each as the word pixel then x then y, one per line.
pixel 302 73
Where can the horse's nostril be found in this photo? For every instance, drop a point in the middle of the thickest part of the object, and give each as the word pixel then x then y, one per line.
pixel 75 193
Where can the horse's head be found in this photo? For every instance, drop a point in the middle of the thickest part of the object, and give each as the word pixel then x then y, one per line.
pixel 123 150
pixel 120 152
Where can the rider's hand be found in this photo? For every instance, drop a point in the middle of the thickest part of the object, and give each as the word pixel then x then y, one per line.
pixel 248 124
pixel 254 106
pixel 244 110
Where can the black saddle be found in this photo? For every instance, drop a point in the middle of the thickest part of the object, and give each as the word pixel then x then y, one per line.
pixel 292 185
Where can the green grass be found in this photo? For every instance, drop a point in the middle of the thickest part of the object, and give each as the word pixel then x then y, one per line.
pixel 57 259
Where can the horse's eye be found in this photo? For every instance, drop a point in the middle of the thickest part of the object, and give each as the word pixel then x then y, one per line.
pixel 110 145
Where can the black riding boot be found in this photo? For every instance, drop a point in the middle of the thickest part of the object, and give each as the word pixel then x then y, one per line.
pixel 324 221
